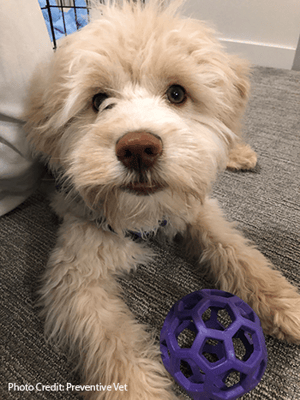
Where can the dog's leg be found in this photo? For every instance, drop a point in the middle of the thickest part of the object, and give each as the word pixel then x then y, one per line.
pixel 239 268
pixel 242 157
pixel 83 311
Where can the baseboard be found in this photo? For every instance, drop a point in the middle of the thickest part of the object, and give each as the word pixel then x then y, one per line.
pixel 262 54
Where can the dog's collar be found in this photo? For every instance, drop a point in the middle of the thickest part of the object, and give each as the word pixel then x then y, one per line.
pixel 102 224
pixel 147 235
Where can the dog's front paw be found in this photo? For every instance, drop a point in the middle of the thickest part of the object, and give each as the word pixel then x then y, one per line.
pixel 285 323
pixel 242 157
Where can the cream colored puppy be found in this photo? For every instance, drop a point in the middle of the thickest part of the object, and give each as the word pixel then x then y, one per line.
pixel 135 115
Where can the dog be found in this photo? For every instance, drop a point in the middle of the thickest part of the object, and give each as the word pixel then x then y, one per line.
pixel 135 115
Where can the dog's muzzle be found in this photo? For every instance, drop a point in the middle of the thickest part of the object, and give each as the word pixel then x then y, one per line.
pixel 139 152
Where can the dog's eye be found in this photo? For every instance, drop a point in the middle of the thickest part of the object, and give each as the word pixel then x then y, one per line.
pixel 98 99
pixel 176 94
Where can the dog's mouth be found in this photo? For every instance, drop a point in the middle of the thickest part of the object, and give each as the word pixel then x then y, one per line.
pixel 143 188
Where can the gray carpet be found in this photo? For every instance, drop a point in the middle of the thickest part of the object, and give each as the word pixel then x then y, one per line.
pixel 264 202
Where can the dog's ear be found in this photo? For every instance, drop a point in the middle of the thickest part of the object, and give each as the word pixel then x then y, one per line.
pixel 37 115
pixel 223 77
pixel 47 94
pixel 240 72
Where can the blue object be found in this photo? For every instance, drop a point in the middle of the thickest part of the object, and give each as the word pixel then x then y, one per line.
pixel 213 345
pixel 146 235
pixel 67 24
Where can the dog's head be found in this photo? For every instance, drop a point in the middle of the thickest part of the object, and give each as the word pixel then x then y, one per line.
pixel 138 108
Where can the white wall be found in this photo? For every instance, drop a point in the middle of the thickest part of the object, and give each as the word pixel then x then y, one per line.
pixel 264 31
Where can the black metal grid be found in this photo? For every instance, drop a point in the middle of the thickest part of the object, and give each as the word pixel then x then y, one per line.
pixel 64 8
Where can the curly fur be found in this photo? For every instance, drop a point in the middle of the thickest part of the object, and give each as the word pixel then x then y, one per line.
pixel 134 53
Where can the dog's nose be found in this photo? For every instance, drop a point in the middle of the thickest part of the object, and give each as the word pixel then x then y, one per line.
pixel 139 150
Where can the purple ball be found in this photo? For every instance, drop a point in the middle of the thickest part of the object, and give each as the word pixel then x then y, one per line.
pixel 213 345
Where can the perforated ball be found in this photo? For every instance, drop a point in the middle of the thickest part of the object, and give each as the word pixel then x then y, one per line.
pixel 213 345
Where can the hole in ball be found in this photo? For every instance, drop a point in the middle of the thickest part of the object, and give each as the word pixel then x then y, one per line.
pixel 211 357
pixel 213 350
pixel 233 378
pixel 186 338
pixel 186 369
pixel 206 315
pixel 218 318
pixel 192 372
pixel 239 348
pixel 224 318
pixel 243 345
